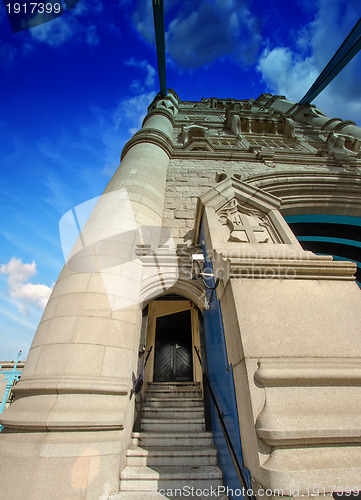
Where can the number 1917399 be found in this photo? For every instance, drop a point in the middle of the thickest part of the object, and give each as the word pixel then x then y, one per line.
pixel 33 8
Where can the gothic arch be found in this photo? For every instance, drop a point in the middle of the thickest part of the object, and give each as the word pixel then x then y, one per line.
pixel 328 207
pixel 310 193
pixel 183 287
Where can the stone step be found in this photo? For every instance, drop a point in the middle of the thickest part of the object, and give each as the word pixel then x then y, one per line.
pixel 154 386
pixel 148 479
pixel 172 439
pixel 167 456
pixel 167 393
pixel 173 452
pixel 172 402
pixel 168 425
pixel 174 384
pixel 174 387
pixel 172 413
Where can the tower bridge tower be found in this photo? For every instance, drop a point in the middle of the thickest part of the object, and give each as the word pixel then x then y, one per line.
pixel 236 180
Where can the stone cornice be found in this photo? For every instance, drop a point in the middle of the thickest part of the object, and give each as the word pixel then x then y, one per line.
pixel 70 385
pixel 149 136
pixel 291 269
pixel 29 425
pixel 305 372
pixel 159 111
pixel 332 386
pixel 290 157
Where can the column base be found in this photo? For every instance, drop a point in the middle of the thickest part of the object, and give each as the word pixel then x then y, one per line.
pixel 61 465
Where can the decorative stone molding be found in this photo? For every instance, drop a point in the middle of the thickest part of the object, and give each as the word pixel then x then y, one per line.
pixel 309 372
pixel 232 195
pixel 247 237
pixel 150 137
pixel 288 417
pixel 311 266
pixel 313 192
pixel 194 131
pixel 342 143
pixel 246 224
pixel 169 103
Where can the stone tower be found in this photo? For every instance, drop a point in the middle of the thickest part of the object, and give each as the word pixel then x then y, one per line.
pixel 215 177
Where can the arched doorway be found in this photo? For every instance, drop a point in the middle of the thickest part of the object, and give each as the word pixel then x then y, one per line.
pixel 172 336
pixel 173 348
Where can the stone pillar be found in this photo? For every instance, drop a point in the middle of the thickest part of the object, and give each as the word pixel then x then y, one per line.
pixel 67 432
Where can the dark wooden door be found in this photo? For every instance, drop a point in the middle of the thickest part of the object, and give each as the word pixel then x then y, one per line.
pixel 173 348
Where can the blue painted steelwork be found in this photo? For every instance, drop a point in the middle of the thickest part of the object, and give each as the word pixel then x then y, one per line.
pixel 158 13
pixel 348 49
pixel 324 219
pixel 220 375
pixel 328 239
pixel 10 376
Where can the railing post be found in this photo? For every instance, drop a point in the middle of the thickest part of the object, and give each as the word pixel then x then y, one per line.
pixel 11 376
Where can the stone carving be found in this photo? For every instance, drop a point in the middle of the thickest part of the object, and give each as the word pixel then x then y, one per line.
pixel 246 224
pixel 168 103
pixel 194 131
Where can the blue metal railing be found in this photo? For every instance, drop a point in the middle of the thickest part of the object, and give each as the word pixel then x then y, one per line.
pixel 11 377
pixel 239 470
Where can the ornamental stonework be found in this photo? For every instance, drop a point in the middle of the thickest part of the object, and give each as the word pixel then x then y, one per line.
pixel 246 225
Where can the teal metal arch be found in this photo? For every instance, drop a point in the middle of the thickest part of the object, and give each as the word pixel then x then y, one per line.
pixel 336 235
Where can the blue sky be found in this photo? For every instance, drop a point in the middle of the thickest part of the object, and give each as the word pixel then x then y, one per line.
pixel 74 90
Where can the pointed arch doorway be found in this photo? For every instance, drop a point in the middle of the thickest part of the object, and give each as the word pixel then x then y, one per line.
pixel 172 335
pixel 173 348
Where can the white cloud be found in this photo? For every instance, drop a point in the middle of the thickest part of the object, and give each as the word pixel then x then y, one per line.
pixel 150 77
pixel 132 111
pixel 60 195
pixel 117 126
pixel 202 32
pixel 73 24
pixel 291 71
pixel 25 294
pixel 286 73
pixel 56 32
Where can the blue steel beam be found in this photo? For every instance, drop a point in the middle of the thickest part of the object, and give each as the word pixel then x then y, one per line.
pixel 158 12
pixel 348 49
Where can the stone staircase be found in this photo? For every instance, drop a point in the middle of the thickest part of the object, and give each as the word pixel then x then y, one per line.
pixel 173 451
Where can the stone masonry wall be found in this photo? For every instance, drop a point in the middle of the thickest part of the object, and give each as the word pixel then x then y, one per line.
pixel 189 178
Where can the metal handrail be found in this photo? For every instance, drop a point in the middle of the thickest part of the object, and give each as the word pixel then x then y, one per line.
pixel 234 458
pixel 146 359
